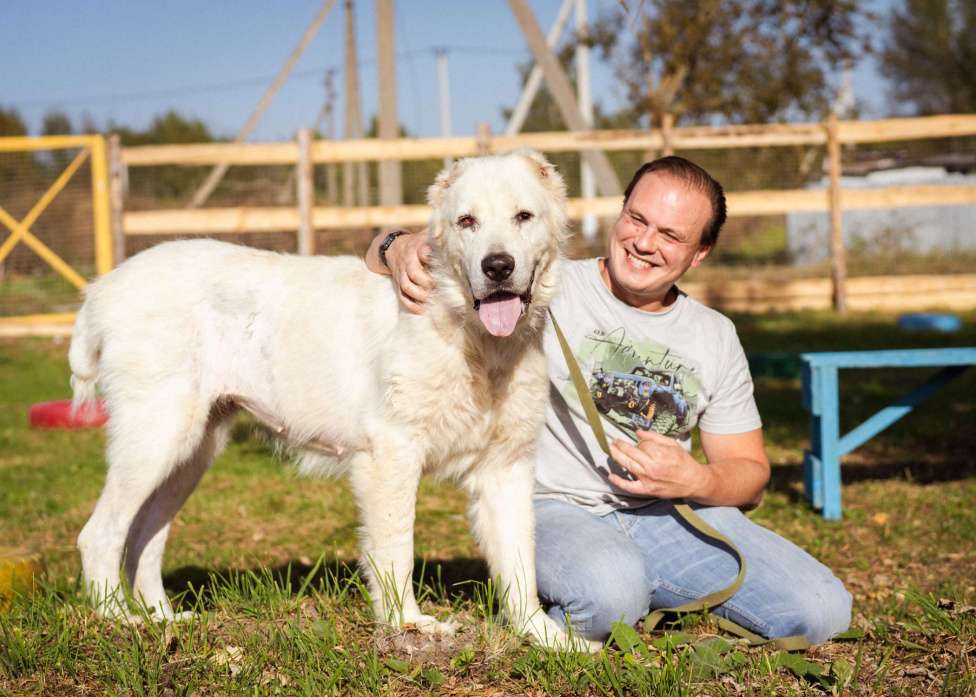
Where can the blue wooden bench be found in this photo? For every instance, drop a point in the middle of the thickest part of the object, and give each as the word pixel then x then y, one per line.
pixel 819 371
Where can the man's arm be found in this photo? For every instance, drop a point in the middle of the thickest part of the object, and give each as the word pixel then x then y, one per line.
pixel 736 472
pixel 407 258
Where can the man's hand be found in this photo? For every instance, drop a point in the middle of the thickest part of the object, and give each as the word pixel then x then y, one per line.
pixel 407 258
pixel 663 468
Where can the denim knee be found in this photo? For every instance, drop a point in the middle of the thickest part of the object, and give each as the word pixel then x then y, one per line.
pixel 817 611
pixel 610 588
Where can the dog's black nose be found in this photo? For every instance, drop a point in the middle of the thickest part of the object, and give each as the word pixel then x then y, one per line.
pixel 498 267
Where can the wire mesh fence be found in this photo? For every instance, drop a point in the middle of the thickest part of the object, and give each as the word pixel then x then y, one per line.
pixel 63 224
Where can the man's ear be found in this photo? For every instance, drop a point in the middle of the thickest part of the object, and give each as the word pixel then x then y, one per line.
pixel 700 255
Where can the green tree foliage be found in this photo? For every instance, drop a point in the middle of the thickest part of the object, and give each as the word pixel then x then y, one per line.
pixel 11 123
pixel 170 183
pixel 731 61
pixel 56 123
pixel 171 127
pixel 12 165
pixel 929 55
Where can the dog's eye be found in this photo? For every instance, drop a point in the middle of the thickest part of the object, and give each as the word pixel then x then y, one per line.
pixel 523 216
pixel 466 221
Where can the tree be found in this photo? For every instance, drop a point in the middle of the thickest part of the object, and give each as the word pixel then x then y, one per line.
pixel 929 55
pixel 11 123
pixel 15 164
pixel 732 61
pixel 169 182
pixel 56 123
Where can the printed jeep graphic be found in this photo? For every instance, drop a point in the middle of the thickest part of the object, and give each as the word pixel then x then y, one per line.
pixel 641 398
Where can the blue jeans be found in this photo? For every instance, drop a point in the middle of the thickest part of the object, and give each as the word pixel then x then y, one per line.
pixel 598 570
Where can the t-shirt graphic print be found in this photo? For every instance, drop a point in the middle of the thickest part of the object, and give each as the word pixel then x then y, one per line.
pixel 640 385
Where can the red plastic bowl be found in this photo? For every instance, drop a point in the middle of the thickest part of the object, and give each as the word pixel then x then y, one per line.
pixel 57 414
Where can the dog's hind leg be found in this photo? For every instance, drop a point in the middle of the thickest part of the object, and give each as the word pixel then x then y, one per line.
pixel 385 484
pixel 147 537
pixel 148 439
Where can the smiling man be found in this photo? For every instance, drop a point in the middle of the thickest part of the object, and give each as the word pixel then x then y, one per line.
pixel 658 364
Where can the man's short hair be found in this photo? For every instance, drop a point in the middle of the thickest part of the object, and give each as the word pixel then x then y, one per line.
pixel 695 177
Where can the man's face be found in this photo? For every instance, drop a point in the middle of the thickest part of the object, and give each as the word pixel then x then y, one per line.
pixel 655 240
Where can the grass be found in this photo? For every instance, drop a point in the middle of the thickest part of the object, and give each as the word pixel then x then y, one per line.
pixel 271 568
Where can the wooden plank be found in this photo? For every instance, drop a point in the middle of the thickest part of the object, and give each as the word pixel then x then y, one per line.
pixel 864 294
pixel 683 138
pixel 746 203
pixel 838 256
pixel 943 126
pixel 305 183
pixel 954 292
pixel 268 219
pixel 117 186
pixel 197 154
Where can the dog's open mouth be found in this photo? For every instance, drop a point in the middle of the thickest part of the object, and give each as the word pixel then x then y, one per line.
pixel 500 311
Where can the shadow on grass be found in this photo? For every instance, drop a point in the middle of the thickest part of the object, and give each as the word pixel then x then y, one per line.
pixel 451 578
pixel 923 470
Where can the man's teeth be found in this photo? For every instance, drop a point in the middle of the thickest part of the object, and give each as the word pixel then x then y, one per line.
pixel 639 263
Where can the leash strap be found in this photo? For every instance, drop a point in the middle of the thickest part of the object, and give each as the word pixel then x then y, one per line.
pixel 791 643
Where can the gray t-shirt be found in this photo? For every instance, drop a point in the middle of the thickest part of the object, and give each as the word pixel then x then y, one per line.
pixel 667 371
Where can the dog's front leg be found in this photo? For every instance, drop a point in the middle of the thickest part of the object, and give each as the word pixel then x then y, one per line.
pixel 385 484
pixel 504 525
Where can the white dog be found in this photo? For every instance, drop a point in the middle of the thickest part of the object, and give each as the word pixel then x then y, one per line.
pixel 182 335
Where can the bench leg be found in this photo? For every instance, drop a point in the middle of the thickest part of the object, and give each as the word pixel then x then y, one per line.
pixel 830 443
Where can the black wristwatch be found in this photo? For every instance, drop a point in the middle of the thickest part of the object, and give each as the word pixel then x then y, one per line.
pixel 386 243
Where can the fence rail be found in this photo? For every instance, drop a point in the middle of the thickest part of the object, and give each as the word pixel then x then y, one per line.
pixel 681 138
pixel 137 217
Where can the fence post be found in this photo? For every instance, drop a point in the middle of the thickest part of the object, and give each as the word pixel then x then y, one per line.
pixel 838 258
pixel 484 138
pixel 117 187
pixel 667 126
pixel 306 187
pixel 101 206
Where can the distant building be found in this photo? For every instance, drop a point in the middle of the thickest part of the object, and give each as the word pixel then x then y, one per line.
pixel 921 229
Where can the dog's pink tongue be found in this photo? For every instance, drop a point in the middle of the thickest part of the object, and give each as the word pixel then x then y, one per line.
pixel 500 313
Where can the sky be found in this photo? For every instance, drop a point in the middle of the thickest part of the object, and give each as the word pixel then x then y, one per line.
pixel 126 61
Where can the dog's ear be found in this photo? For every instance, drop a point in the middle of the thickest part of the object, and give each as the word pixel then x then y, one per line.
pixel 443 181
pixel 545 170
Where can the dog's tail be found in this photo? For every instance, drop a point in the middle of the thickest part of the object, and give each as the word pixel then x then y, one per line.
pixel 83 358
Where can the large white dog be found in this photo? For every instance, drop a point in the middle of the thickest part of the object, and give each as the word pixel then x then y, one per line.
pixel 182 335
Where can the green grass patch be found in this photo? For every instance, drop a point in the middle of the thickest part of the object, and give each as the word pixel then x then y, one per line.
pixel 271 568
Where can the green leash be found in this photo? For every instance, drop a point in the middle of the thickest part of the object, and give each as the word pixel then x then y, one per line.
pixel 790 643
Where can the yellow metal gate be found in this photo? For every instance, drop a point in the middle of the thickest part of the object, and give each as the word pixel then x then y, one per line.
pixel 23 154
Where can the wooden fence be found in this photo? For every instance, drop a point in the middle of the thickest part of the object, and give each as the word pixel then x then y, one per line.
pixel 307 217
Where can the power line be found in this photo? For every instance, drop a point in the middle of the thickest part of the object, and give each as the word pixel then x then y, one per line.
pixel 227 85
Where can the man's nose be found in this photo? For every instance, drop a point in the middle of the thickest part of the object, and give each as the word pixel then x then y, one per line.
pixel 646 242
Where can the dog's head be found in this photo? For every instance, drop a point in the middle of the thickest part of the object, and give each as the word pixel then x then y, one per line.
pixel 497 230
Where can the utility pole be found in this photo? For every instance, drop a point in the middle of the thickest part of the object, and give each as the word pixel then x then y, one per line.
pixel 445 94
pixel 355 185
pixel 325 126
pixel 217 173
pixel 531 88
pixel 587 182
pixel 562 93
pixel 391 190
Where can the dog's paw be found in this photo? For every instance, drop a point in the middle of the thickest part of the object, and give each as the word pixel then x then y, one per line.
pixel 544 631
pixel 431 626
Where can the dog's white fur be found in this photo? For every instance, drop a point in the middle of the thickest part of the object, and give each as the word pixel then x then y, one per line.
pixel 182 334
